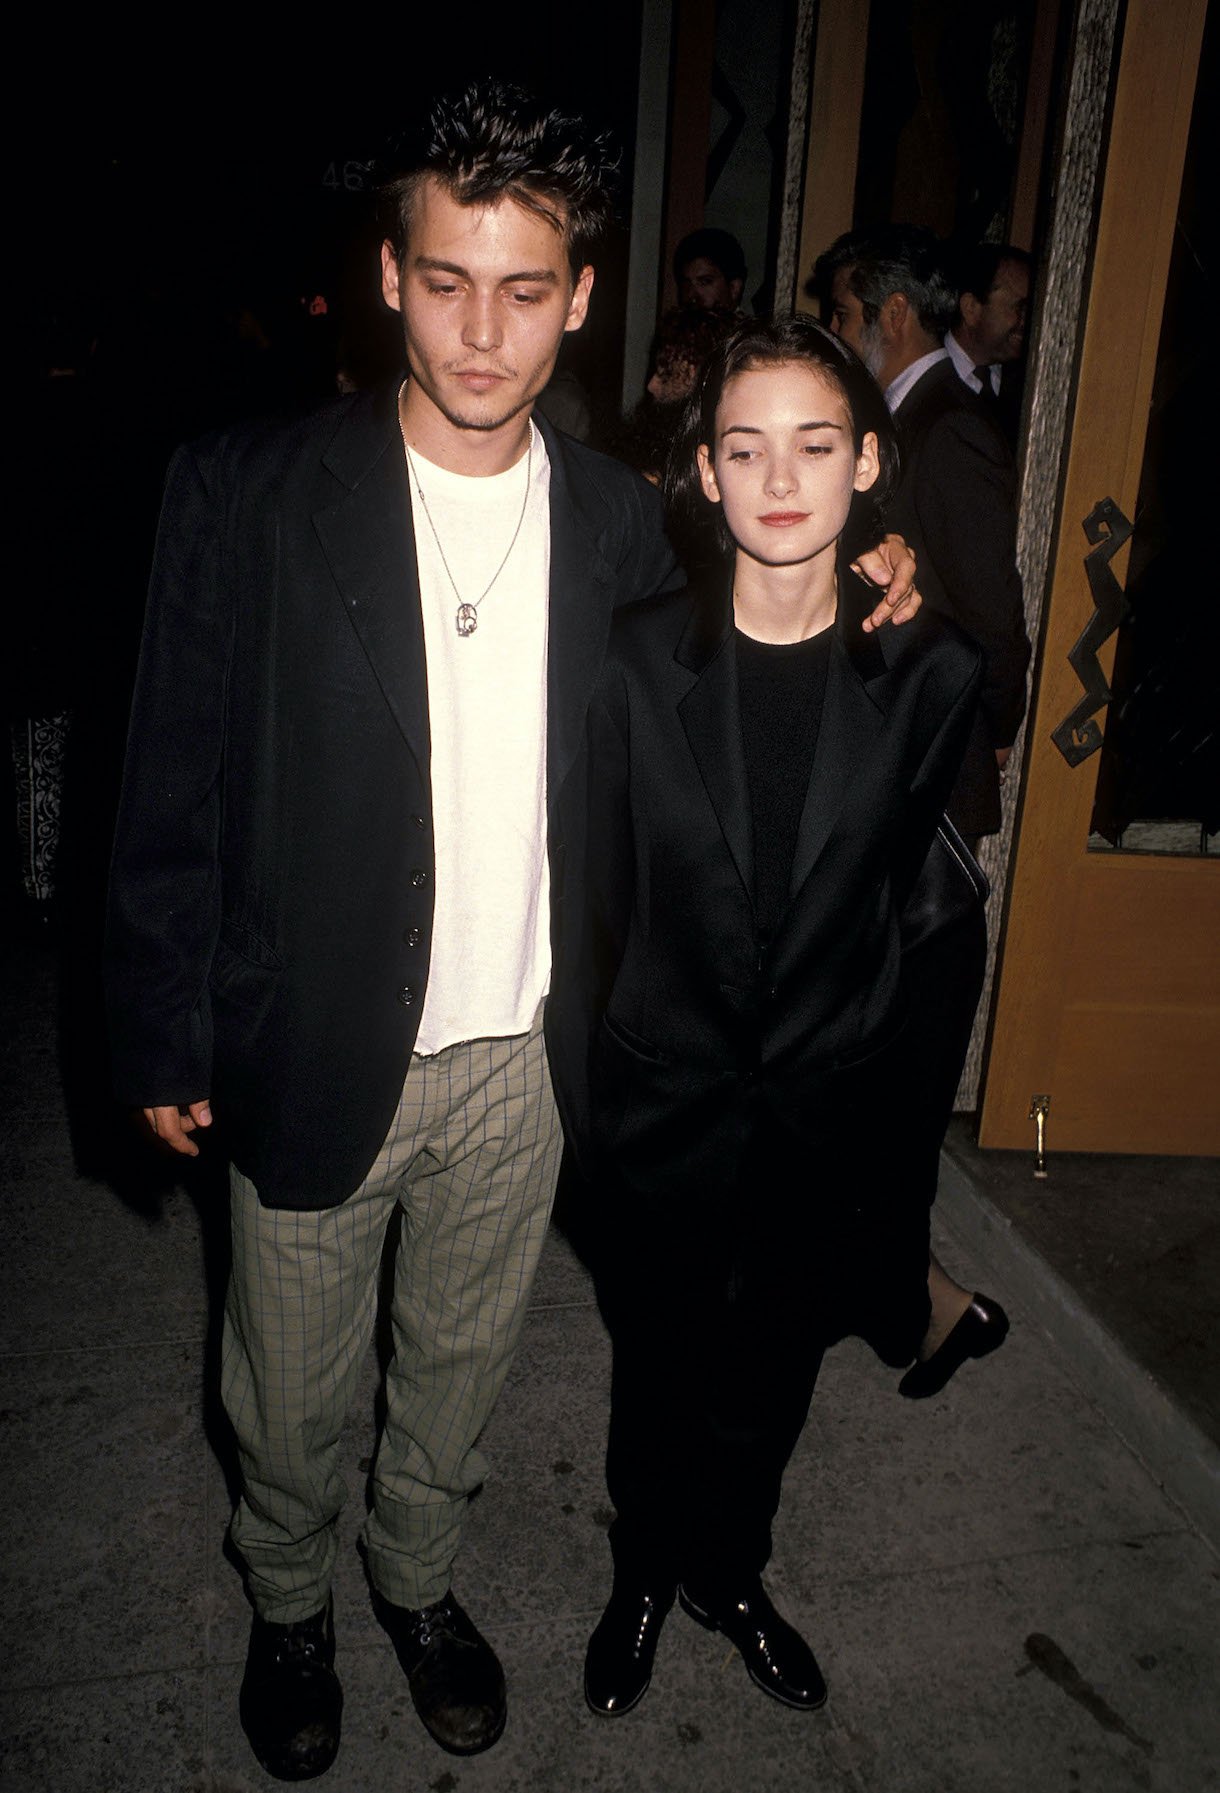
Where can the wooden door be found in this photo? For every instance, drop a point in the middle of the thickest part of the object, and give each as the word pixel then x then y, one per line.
pixel 1108 993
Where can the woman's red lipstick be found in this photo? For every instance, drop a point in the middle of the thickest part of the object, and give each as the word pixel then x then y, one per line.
pixel 783 519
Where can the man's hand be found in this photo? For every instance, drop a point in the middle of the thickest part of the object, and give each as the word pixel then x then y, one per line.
pixel 891 565
pixel 173 1126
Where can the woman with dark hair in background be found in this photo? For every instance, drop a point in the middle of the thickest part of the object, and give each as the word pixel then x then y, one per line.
pixel 684 341
pixel 767 781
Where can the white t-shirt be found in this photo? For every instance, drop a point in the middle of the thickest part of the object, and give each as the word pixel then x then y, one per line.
pixel 491 954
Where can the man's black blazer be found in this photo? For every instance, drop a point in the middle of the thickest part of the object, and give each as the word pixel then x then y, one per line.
pixel 687 1028
pixel 956 506
pixel 271 894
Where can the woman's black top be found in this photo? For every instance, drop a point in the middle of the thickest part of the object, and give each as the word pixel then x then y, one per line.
pixel 780 692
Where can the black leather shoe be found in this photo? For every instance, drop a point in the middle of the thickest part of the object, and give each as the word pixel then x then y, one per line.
pixel 777 1658
pixel 454 1675
pixel 982 1329
pixel 618 1662
pixel 291 1701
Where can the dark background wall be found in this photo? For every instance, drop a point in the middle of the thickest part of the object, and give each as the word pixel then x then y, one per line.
pixel 188 185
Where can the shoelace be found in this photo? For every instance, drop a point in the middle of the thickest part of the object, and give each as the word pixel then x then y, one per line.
pixel 437 1622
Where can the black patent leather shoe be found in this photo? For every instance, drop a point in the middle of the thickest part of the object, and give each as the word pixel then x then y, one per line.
pixel 291 1701
pixel 982 1329
pixel 618 1662
pixel 777 1658
pixel 454 1675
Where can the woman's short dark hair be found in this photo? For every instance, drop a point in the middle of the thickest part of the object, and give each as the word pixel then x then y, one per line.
pixel 760 343
pixel 493 142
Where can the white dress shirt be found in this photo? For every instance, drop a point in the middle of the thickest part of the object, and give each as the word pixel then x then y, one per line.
pixel 897 389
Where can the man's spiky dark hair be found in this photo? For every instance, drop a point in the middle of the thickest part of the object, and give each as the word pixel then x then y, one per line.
pixel 493 142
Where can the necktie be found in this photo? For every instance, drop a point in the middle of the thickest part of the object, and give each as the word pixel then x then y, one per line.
pixel 987 391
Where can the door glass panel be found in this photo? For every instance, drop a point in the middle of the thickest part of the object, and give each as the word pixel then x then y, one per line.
pixel 1158 782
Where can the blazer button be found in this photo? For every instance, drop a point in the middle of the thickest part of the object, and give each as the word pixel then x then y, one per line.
pixel 413 936
pixel 406 996
pixel 419 821
pixel 419 879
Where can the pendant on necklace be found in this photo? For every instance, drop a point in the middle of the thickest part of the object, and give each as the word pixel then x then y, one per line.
pixel 467 619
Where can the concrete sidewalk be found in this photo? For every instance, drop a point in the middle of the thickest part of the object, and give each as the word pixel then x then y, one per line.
pixel 1001 1594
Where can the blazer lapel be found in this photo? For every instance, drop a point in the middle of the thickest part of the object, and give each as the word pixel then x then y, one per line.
pixel 582 594
pixel 369 544
pixel 710 715
pixel 852 719
pixel 924 396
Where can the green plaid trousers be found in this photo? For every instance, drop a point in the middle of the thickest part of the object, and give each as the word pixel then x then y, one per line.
pixel 472 1159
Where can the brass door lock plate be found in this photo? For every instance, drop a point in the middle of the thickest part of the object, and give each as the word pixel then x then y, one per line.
pixel 1039 1108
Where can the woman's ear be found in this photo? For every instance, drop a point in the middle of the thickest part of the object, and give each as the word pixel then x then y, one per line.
pixel 868 463
pixel 707 473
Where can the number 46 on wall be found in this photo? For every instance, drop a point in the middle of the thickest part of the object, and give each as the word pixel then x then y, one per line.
pixel 350 177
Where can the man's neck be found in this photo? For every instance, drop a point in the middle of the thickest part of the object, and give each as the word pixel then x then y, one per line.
pixel 905 351
pixel 478 454
pixel 897 389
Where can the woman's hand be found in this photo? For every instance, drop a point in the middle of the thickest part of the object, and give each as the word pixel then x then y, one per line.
pixel 891 565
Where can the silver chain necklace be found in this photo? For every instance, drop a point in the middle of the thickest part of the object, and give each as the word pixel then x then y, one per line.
pixel 467 615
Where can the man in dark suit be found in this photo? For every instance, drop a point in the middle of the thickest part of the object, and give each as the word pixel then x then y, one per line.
pixel 890 297
pixel 986 341
pixel 351 828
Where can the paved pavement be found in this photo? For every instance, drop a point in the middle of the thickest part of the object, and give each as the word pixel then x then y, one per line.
pixel 1003 1598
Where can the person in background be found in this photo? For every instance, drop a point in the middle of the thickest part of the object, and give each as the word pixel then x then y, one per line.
pixel 986 342
pixel 710 270
pixel 684 341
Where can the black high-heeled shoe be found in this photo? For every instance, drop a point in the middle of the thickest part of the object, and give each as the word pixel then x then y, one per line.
pixel 982 1329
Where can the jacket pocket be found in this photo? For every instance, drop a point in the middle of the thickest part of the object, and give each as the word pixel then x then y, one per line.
pixel 245 980
pixel 632 1042
pixel 246 944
